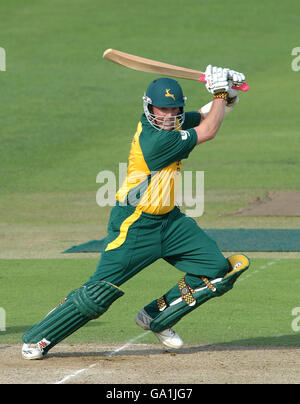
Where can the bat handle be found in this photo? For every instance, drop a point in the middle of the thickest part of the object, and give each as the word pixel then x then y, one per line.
pixel 243 87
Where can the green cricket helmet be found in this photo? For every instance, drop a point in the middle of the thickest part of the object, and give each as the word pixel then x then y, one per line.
pixel 164 93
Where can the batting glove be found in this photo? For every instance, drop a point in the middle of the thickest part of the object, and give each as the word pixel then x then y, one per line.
pixel 237 78
pixel 216 80
pixel 232 95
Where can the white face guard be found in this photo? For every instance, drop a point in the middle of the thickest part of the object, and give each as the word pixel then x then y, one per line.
pixel 160 122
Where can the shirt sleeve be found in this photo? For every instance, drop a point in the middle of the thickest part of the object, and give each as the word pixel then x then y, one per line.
pixel 192 119
pixel 168 147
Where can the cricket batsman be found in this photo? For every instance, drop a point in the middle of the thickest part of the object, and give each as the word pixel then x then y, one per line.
pixel 146 225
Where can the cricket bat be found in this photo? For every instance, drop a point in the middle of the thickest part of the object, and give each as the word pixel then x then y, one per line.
pixel 153 66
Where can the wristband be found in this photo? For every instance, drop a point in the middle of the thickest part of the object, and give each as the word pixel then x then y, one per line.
pixel 222 96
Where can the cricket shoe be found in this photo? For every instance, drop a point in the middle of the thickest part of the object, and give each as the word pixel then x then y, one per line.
pixel 32 351
pixel 168 337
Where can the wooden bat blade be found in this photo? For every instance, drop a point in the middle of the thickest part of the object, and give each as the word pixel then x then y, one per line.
pixel 150 66
pixel 153 66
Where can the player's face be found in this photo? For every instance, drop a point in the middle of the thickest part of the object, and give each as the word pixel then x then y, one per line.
pixel 165 117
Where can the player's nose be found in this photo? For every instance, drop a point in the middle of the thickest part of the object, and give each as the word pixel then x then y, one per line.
pixel 169 112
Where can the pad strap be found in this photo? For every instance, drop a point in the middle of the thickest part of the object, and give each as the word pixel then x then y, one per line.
pixel 208 283
pixel 186 292
pixel 161 303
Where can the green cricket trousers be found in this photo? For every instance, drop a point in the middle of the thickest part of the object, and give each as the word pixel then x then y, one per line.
pixel 137 239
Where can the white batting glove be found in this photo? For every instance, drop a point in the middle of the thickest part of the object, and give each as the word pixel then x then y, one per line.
pixel 232 95
pixel 216 79
pixel 237 78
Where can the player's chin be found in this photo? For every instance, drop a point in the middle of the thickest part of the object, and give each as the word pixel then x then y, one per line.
pixel 167 126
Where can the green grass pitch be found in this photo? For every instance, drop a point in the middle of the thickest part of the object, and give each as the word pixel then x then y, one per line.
pixel 66 114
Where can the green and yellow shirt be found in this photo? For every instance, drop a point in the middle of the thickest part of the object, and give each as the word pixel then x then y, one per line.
pixel 155 164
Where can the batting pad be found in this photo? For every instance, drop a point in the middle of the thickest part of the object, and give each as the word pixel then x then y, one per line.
pixel 229 240
pixel 171 314
pixel 84 304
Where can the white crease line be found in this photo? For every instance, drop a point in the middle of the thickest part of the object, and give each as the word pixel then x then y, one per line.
pixel 110 354
pixel 268 264
pixel 132 341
